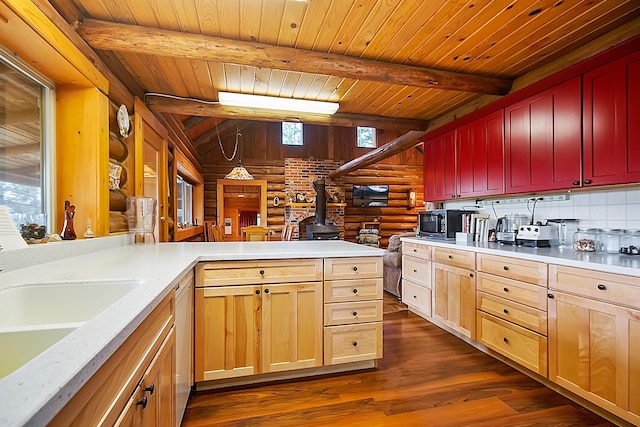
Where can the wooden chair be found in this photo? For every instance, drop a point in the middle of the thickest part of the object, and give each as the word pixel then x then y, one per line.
pixel 255 233
pixel 208 231
pixel 287 232
pixel 218 233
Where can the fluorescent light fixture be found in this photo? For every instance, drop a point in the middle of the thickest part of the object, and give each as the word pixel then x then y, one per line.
pixel 275 103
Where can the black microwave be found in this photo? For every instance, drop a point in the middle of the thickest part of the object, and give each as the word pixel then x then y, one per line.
pixel 440 223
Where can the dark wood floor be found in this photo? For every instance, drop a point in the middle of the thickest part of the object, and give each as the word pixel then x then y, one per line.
pixel 426 378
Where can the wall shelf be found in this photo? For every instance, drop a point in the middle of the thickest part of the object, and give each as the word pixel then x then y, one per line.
pixel 308 205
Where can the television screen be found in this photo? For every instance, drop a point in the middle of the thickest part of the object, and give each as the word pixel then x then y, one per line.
pixel 370 195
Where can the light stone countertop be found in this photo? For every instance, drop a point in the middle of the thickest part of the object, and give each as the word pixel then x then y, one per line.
pixel 599 261
pixel 34 393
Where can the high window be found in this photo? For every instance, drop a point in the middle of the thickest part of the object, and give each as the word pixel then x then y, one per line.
pixel 26 146
pixel 292 133
pixel 366 137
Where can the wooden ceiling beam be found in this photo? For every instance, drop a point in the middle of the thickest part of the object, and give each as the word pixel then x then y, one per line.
pixel 162 104
pixel 159 42
pixel 219 130
pixel 398 145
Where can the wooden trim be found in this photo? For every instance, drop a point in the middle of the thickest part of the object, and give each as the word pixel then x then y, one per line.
pixel 255 182
pixel 183 234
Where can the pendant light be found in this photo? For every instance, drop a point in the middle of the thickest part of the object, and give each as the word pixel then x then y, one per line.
pixel 238 173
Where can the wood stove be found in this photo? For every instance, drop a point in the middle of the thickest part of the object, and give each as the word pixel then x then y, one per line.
pixel 321 230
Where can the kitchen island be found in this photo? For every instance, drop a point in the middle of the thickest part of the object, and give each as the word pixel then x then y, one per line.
pixel 37 391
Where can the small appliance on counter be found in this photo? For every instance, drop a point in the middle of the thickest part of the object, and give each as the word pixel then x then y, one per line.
pixel 537 235
pixel 440 223
pixel 507 227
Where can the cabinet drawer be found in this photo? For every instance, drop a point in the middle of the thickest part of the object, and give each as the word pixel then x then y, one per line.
pixel 514 268
pixel 518 344
pixel 416 296
pixel 608 287
pixel 258 272
pixel 521 315
pixel 514 290
pixel 344 344
pixel 417 250
pixel 455 257
pixel 352 290
pixel 352 268
pixel 416 270
pixel 342 313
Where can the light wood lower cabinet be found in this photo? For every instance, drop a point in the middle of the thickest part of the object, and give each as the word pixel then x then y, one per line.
pixel 145 361
pixel 416 278
pixel 246 330
pixel 454 298
pixel 594 352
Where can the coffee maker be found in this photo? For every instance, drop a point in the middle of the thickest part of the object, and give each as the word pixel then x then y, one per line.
pixel 508 225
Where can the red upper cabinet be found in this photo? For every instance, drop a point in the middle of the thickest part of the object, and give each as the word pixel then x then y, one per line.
pixel 543 140
pixel 440 168
pixel 480 157
pixel 612 122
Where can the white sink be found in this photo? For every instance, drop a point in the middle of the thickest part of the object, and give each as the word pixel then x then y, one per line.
pixel 35 316
pixel 58 302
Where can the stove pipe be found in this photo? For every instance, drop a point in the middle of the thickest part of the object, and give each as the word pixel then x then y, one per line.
pixel 321 200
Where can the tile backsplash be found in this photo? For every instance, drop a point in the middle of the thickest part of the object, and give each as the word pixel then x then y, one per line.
pixel 619 208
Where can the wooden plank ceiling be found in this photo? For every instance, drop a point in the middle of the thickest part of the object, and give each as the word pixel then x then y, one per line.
pixel 485 42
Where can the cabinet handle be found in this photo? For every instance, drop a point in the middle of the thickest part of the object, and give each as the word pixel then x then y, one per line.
pixel 266 291
pixel 505 311
pixel 450 256
pixel 355 343
pixel 505 289
pixel 355 291
pixel 177 288
pixel 355 313
pixel 415 296
pixel 470 274
pixel 506 340
pixel 415 271
pixel 257 291
pixel 550 296
pixel 415 250
pixel 587 181
pixel 505 268
pixel 262 272
pixel 576 182
pixel 150 389
pixel 601 287
pixel 143 402
pixel 355 268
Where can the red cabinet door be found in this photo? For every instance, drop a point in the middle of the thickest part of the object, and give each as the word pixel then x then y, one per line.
pixel 480 156
pixel 611 128
pixel 543 140
pixel 439 168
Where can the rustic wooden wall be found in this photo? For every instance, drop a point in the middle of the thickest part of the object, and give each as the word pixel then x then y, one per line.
pixel 263 154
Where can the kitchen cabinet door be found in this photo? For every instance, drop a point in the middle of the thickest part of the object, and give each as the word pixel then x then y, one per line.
pixel 226 331
pixel 611 125
pixel 440 168
pixel 480 157
pixel 454 298
pixel 292 326
pixel 594 350
pixel 543 140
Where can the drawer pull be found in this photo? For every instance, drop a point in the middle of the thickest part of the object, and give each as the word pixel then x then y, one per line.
pixel 355 268
pixel 143 402
pixel 258 292
pixel 550 296
pixel 355 313
pixel 470 274
pixel 505 268
pixel 506 340
pixel 355 343
pixel 266 291
pixel 505 311
pixel 415 296
pixel 150 389
pixel 505 289
pixel 355 291
pixel 602 287
pixel 450 256
pixel 262 272
pixel 415 271
pixel 415 250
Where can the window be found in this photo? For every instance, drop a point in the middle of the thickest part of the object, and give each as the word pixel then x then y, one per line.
pixel 184 203
pixel 366 137
pixel 291 133
pixel 26 104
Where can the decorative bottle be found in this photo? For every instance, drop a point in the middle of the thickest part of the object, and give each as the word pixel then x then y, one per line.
pixel 68 233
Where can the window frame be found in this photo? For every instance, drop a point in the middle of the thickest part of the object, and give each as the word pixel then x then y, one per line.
pixel 375 137
pixel 301 134
pixel 47 132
